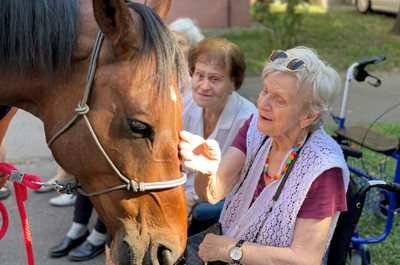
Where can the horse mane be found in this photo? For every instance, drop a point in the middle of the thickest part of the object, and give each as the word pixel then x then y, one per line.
pixel 37 34
pixel 157 37
pixel 41 35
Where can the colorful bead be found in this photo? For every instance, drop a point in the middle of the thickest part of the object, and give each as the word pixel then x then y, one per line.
pixel 290 159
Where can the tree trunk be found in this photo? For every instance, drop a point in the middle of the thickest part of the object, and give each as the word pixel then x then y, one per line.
pixel 396 27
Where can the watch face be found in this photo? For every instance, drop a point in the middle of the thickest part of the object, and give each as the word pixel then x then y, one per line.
pixel 236 253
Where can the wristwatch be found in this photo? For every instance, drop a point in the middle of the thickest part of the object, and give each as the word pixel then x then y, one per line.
pixel 236 252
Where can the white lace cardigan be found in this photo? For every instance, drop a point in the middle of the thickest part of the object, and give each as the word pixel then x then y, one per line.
pixel 319 153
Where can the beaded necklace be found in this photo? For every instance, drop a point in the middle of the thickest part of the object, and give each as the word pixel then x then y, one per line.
pixel 289 160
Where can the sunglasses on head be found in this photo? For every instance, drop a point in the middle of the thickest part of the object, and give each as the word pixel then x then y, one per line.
pixel 294 64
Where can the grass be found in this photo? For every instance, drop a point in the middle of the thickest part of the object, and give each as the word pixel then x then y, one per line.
pixel 340 37
pixel 388 251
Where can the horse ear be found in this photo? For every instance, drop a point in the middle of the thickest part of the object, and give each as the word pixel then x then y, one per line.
pixel 116 22
pixel 161 7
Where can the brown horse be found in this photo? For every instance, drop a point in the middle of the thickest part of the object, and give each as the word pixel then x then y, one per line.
pixel 121 142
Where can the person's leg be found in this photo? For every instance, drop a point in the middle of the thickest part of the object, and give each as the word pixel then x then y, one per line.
pixel 204 215
pixel 62 175
pixel 82 212
pixel 4 191
pixel 5 121
pixel 83 209
pixel 3 149
pixel 99 234
pixel 63 199
pixel 93 246
pixel 100 226
pixel 6 115
pixel 78 231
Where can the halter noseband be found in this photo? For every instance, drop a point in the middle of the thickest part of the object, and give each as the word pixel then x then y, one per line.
pixel 72 187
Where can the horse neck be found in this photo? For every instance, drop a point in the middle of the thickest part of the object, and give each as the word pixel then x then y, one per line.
pixel 24 93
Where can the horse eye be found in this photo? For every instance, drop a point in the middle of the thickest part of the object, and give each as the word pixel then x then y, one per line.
pixel 140 129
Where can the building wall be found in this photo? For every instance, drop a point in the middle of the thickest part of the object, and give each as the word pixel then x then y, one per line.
pixel 212 14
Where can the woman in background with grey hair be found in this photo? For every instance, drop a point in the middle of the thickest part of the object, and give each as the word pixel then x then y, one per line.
pixel 186 33
pixel 284 179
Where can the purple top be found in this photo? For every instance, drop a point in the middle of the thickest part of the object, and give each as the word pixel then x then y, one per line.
pixel 326 194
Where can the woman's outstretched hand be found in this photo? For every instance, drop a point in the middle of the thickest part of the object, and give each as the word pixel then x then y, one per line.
pixel 198 154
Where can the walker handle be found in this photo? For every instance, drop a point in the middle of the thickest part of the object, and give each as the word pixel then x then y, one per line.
pixel 390 186
pixel 360 74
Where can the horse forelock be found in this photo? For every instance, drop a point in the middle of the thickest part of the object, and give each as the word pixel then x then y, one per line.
pixel 37 34
pixel 170 61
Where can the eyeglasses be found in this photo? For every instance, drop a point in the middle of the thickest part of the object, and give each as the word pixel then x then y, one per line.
pixel 294 64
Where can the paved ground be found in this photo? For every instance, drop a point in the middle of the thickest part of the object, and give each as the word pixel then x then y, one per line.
pixel 27 149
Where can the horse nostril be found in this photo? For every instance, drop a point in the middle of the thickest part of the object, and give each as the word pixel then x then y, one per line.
pixel 164 255
pixel 124 254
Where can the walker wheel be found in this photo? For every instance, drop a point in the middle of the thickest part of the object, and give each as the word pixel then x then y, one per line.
pixel 356 256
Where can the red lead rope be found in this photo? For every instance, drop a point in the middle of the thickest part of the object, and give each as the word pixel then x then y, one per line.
pixel 21 181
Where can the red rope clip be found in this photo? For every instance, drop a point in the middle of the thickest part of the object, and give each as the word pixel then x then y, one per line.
pixel 22 178
pixel 21 181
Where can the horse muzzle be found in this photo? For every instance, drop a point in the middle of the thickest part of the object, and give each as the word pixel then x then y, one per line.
pixel 130 249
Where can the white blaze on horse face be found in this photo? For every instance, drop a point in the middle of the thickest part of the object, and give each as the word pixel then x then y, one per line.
pixel 174 97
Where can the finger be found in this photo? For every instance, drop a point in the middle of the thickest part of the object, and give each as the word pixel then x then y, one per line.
pixel 212 150
pixel 212 144
pixel 191 138
pixel 214 154
pixel 186 146
pixel 201 251
pixel 186 155
pixel 184 135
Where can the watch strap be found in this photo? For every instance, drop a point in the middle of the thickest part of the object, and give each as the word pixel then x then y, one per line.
pixel 239 244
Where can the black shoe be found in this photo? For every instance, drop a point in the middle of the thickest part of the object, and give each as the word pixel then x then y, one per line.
pixel 66 245
pixel 4 192
pixel 86 251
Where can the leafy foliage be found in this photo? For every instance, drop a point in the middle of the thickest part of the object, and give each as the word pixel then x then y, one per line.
pixel 282 22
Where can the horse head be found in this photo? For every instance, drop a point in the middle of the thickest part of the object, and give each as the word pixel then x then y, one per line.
pixel 112 116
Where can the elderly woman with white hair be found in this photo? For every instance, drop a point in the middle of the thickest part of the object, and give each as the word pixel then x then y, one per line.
pixel 186 33
pixel 284 179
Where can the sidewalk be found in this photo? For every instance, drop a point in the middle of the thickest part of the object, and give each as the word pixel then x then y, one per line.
pixel 28 151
